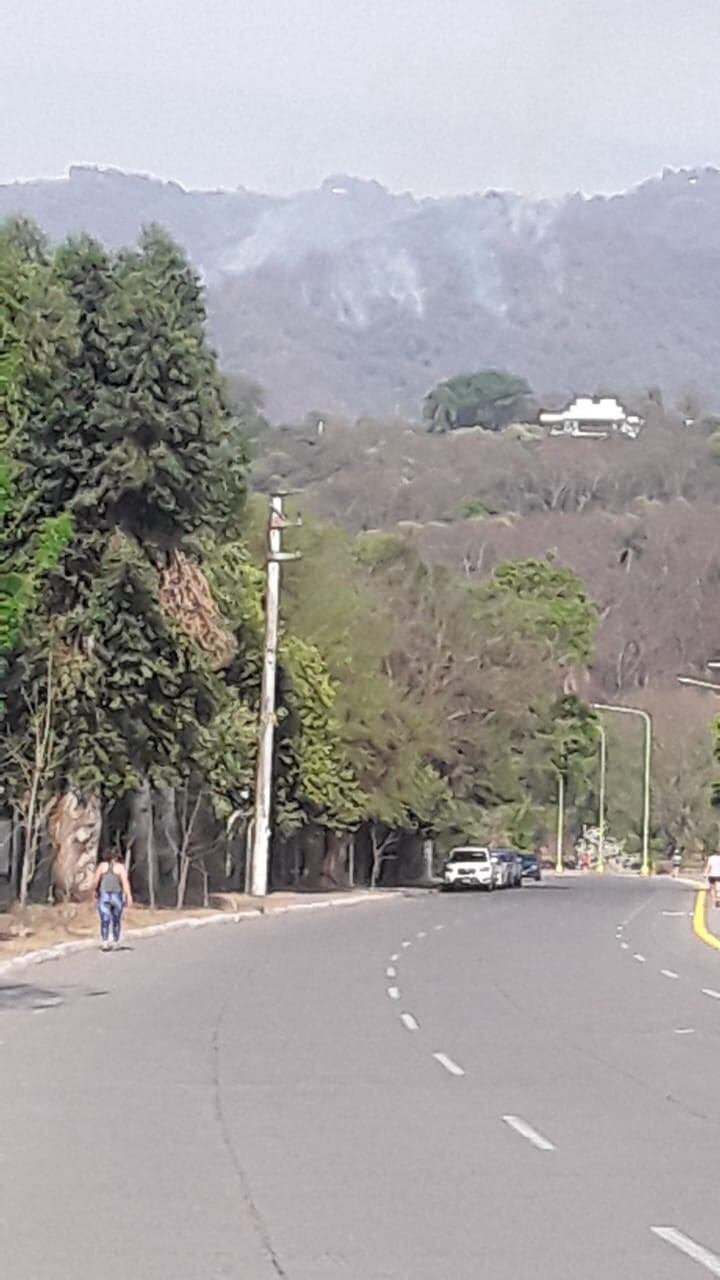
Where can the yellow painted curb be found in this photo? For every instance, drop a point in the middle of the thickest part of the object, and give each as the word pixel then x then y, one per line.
pixel 699 924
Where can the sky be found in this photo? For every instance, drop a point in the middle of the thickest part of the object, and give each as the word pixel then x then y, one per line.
pixel 433 96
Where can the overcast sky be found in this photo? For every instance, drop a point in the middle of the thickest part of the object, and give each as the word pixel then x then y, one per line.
pixel 435 96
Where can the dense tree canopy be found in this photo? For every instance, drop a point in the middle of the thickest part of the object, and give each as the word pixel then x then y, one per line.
pixel 410 701
pixel 489 399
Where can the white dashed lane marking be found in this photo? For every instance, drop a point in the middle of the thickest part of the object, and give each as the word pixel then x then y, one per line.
pixel 691 1248
pixel 409 1023
pixel 407 943
pixel 395 957
pixel 391 971
pixel 684 1031
pixel 669 973
pixel 640 959
pixel 526 1131
pixel 422 934
pixel 708 991
pixel 394 993
pixel 448 1064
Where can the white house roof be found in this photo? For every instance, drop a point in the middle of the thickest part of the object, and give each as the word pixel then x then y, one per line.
pixel 591 409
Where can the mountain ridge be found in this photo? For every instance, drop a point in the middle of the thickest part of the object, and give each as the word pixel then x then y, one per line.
pixel 351 298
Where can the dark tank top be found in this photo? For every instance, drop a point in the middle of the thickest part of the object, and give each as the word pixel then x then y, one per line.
pixel 110 881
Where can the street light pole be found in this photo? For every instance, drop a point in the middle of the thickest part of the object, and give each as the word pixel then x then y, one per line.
pixel 261 830
pixel 647 754
pixel 601 816
pixel 699 684
pixel 559 868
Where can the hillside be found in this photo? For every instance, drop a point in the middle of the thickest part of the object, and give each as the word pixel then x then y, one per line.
pixel 353 299
pixel 634 518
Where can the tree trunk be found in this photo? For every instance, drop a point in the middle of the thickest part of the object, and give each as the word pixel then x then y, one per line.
pixel 313 843
pixel 140 840
pixel 335 860
pixel 167 833
pixel 74 828
pixel 379 847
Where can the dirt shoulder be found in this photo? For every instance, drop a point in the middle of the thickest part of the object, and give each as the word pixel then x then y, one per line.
pixel 41 927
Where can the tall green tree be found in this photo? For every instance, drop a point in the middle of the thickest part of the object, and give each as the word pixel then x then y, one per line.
pixel 130 434
pixel 490 399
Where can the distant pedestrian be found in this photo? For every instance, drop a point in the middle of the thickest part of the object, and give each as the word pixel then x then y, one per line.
pixel 676 864
pixel 113 894
pixel 712 871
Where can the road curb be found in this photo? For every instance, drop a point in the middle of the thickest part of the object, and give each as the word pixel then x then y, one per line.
pixel 62 949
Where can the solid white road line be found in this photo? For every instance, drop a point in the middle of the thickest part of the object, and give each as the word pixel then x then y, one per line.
pixel 409 1022
pixel 639 958
pixel 691 1249
pixel 669 973
pixel 708 991
pixel 448 1064
pixel 391 971
pixel 394 993
pixel 526 1131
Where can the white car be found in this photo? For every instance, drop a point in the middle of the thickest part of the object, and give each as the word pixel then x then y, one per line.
pixel 470 867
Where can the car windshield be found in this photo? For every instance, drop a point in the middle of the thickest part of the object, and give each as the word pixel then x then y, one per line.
pixel 468 855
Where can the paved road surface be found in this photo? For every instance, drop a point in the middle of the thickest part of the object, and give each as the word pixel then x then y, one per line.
pixel 284 1098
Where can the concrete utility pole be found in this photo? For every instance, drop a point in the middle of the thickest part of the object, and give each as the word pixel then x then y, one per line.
pixel 260 849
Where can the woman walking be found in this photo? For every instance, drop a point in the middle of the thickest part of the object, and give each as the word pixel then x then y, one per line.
pixel 113 894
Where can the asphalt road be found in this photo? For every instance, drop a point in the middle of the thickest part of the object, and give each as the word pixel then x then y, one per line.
pixel 515 1086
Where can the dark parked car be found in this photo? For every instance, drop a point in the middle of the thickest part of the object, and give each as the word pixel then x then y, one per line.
pixel 531 866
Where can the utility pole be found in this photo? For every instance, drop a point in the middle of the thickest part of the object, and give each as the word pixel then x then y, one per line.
pixel 260 848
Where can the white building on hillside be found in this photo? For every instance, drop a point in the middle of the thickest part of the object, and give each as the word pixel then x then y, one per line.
pixel 593 417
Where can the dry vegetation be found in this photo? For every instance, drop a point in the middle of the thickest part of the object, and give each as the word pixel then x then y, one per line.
pixel 634 519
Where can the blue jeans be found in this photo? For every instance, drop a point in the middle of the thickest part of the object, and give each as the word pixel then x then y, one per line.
pixel 110 906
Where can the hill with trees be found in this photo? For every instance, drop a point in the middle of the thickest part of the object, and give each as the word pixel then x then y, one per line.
pixel 632 519
pixel 352 299
pixel 413 703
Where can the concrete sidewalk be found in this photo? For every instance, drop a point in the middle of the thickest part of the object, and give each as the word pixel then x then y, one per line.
pixel 22 950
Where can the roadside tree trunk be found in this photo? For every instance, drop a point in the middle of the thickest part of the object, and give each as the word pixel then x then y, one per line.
pixel 313 845
pixel 142 844
pixel 334 865
pixel 74 827
pixel 380 846
pixel 168 833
